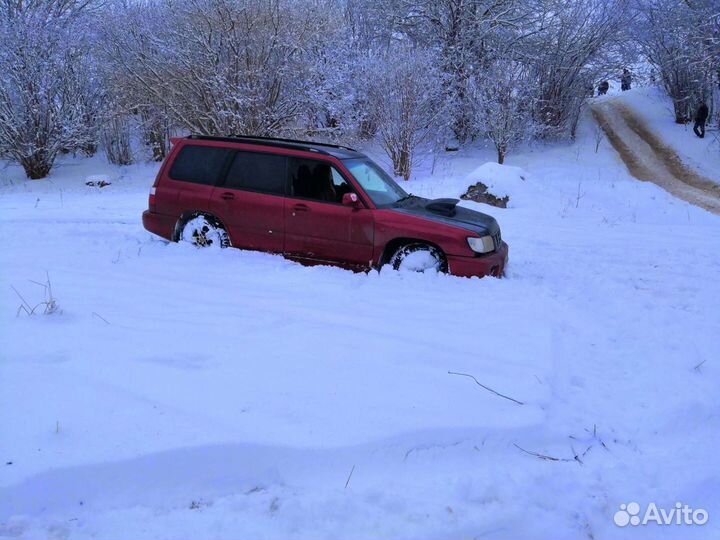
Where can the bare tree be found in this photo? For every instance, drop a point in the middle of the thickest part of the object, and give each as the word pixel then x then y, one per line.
pixel 505 100
pixel 682 40
pixel 465 32
pixel 49 9
pixel 156 130
pixel 576 43
pixel 218 66
pixel 402 71
pixel 47 97
pixel 116 140
pixel 406 96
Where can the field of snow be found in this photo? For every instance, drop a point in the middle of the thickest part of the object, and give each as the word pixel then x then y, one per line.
pixel 184 393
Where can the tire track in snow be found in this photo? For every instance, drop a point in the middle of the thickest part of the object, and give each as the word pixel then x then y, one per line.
pixel 649 159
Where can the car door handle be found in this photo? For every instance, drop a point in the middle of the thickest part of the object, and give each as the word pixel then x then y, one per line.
pixel 301 208
pixel 227 196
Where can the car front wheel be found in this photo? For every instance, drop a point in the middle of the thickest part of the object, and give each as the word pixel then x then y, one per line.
pixel 419 258
pixel 204 231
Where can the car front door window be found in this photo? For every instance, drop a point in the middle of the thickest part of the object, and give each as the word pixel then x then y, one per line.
pixel 317 181
pixel 317 224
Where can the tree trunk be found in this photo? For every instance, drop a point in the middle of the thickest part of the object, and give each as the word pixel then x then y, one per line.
pixel 89 149
pixel 681 112
pixel 368 129
pixel 156 140
pixel 501 155
pixel 404 163
pixel 156 134
pixel 36 166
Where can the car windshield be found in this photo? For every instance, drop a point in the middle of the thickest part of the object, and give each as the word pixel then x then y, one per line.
pixel 382 189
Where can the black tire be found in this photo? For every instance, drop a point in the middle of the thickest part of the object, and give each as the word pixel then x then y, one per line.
pixel 406 258
pixel 204 231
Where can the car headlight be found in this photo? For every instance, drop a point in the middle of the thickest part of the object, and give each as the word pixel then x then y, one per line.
pixel 484 244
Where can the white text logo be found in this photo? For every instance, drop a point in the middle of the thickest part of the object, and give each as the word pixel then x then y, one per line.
pixel 680 514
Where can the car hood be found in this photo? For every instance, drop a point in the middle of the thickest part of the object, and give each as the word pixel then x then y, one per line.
pixel 445 211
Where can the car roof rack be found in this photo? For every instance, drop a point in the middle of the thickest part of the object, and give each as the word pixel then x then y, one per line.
pixel 273 141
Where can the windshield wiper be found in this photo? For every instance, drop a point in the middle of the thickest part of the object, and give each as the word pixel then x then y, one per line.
pixel 405 198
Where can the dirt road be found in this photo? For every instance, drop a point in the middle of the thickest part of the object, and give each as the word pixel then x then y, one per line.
pixel 648 158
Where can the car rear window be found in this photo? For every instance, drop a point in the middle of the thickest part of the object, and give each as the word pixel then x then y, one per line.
pixel 256 171
pixel 199 164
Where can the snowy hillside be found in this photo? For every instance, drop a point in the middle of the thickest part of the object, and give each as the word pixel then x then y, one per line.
pixel 183 393
pixel 656 110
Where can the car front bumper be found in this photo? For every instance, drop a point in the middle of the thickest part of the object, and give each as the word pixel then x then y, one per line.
pixel 492 264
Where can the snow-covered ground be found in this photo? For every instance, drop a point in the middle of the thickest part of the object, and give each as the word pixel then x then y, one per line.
pixel 183 393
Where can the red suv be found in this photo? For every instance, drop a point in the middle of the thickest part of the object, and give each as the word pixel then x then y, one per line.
pixel 314 202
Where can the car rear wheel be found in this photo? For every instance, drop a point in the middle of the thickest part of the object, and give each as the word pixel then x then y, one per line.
pixel 419 257
pixel 204 231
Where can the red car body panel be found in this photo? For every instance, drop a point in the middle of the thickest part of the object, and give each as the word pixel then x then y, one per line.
pixel 253 220
pixel 306 229
pixel 329 232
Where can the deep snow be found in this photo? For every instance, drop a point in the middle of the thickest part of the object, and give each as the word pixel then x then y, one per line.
pixel 187 393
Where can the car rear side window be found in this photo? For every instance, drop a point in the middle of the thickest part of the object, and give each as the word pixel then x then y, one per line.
pixel 199 164
pixel 256 171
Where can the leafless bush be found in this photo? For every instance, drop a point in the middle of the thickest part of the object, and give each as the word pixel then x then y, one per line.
pixel 116 140
pixel 217 66
pixel 47 94
pixel 156 132
pixel 578 42
pixel 504 97
pixel 403 71
pixel 682 40
pixel 406 97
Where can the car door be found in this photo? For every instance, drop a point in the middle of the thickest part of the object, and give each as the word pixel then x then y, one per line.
pixel 250 200
pixel 317 225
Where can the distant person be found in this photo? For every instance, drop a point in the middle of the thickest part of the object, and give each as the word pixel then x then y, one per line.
pixel 625 80
pixel 701 117
pixel 603 88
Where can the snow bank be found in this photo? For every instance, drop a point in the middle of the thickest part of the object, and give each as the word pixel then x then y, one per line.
pixel 504 181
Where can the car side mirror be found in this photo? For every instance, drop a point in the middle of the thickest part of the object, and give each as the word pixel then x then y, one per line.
pixel 352 200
